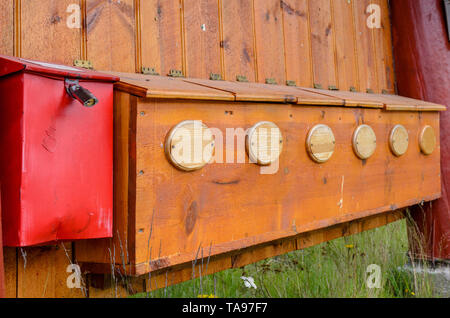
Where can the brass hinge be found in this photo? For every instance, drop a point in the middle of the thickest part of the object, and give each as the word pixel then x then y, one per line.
pixel 83 64
pixel 241 78
pixel 291 83
pixel 318 86
pixel 271 81
pixel 353 89
pixel 215 77
pixel 333 88
pixel 176 73
pixel 385 92
pixel 370 91
pixel 149 71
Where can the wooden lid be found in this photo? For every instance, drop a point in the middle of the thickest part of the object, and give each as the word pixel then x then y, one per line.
pixel 350 99
pixel 189 146
pixel 364 142
pixel 320 143
pixel 257 92
pixel 264 143
pixel 166 87
pixel 427 140
pixel 400 103
pixel 199 89
pixel 399 140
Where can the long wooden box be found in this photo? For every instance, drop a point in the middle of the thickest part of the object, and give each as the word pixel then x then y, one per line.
pixel 165 217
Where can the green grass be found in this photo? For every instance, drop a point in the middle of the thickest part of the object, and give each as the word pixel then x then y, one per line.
pixel 333 269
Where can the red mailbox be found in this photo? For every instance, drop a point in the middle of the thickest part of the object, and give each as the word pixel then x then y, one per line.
pixel 56 152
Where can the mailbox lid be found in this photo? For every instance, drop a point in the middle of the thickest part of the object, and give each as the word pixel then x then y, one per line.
pixel 257 92
pixel 166 88
pixel 10 65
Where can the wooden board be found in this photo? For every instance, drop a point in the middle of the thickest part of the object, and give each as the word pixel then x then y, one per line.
pixel 44 32
pixel 323 43
pixel 239 259
pixel 367 64
pixel 160 35
pixel 270 93
pixel 347 70
pixel 186 204
pixel 7 27
pixel 201 38
pixel 166 87
pixel 237 41
pixel 42 272
pixel 111 34
pixel 297 42
pixel 269 41
pixel 127 35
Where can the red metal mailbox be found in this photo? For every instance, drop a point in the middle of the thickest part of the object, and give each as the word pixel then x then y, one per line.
pixel 56 152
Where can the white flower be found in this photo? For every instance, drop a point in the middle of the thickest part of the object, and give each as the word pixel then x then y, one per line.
pixel 249 282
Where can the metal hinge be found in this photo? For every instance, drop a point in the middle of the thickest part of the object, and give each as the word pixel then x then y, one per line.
pixel 215 77
pixel 149 71
pixel 385 92
pixel 83 64
pixel 353 89
pixel 241 78
pixel 318 86
pixel 370 91
pixel 291 83
pixel 333 88
pixel 176 73
pixel 271 81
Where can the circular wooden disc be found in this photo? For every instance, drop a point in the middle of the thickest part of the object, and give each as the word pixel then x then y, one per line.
pixel 264 143
pixel 427 140
pixel 320 143
pixel 399 140
pixel 364 142
pixel 189 145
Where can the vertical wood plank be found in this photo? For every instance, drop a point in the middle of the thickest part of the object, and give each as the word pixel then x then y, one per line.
pixel 7 27
pixel 161 45
pixel 238 41
pixel 365 47
pixel 111 37
pixel 384 55
pixel 297 42
pixel 202 39
pixel 347 65
pixel 10 257
pixel 323 43
pixel 42 272
pixel 269 41
pixel 45 34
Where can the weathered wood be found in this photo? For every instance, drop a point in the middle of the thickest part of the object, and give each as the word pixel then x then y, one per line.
pixel 7 27
pixel 347 67
pixel 237 42
pixel 201 38
pixel 367 67
pixel 297 42
pixel 111 34
pixel 323 43
pixel 42 272
pixel 160 35
pixel 269 41
pixel 45 34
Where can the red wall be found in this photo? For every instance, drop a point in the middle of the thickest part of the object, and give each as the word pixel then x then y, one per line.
pixel 422 63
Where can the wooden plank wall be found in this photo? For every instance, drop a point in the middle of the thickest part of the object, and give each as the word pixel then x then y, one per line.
pixel 325 42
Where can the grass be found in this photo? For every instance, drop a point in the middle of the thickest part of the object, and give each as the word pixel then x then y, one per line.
pixel 333 269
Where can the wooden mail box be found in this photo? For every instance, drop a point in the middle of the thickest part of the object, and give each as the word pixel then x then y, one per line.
pixel 341 156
